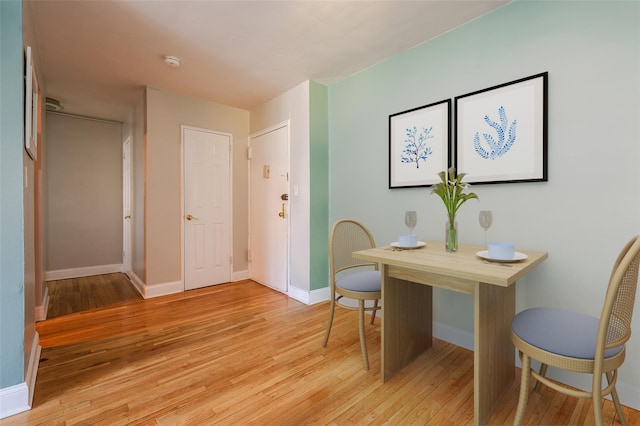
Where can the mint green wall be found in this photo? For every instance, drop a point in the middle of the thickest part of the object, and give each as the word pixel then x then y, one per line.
pixel 591 205
pixel 11 207
pixel 319 183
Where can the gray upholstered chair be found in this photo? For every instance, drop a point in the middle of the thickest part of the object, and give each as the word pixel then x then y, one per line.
pixel 352 278
pixel 581 343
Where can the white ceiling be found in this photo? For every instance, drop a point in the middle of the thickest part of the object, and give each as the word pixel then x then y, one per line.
pixel 96 56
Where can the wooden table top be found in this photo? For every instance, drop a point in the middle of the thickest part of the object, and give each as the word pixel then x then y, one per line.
pixel 464 264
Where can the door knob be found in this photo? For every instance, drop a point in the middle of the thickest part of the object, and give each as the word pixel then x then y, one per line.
pixel 281 214
pixel 128 216
pixel 189 217
pixel 284 197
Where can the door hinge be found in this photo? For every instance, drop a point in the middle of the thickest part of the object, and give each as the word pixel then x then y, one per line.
pixel 230 259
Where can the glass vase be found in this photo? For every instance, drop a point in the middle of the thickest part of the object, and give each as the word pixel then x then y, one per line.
pixel 451 236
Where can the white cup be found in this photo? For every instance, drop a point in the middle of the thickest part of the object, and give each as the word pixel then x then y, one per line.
pixel 408 240
pixel 501 251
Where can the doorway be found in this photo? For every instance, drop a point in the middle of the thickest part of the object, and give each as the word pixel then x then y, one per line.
pixel 207 207
pixel 269 207
pixel 126 207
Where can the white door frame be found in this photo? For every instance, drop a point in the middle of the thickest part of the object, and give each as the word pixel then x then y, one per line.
pixel 182 212
pixel 259 133
pixel 127 150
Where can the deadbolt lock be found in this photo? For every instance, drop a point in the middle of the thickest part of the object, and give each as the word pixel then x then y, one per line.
pixel 284 197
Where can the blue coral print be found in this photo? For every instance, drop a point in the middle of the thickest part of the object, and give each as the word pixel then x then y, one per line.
pixel 416 148
pixel 496 147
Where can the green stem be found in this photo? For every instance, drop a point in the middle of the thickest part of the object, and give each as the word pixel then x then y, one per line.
pixel 452 240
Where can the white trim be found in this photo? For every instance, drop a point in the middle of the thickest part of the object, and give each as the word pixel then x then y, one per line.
pixel 127 190
pixel 18 398
pixel 137 282
pixel 14 400
pixel 298 294
pixel 319 295
pixel 155 290
pixel 41 310
pixel 453 335
pixel 629 395
pixel 163 289
pixel 240 275
pixel 269 129
pixel 85 271
pixel 32 368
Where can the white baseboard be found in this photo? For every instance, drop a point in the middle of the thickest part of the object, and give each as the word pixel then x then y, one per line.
pixel 453 335
pixel 162 289
pixel 319 295
pixel 629 395
pixel 41 310
pixel 309 297
pixel 240 276
pixel 298 294
pixel 137 282
pixel 156 290
pixel 18 398
pixel 32 368
pixel 85 271
pixel 14 400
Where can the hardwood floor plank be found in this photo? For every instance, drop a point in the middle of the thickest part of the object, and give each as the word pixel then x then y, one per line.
pixel 244 354
pixel 86 293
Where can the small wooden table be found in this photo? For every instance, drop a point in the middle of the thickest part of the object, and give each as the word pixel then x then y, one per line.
pixel 408 279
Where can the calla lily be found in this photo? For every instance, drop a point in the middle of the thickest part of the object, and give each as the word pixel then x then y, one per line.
pixel 450 190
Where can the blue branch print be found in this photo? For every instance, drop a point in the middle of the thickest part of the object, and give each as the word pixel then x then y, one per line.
pixel 497 147
pixel 415 148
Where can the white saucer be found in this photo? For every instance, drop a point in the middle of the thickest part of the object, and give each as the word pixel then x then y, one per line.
pixel 398 246
pixel 517 256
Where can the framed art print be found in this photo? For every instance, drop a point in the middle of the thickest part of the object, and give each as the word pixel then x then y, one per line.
pixel 419 145
pixel 501 132
pixel 31 96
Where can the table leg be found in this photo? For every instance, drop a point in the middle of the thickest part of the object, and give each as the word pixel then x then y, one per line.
pixel 406 322
pixel 494 354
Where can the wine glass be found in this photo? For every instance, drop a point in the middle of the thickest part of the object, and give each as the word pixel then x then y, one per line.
pixel 411 220
pixel 486 219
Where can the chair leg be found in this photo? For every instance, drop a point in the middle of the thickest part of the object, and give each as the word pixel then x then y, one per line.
pixel 616 400
pixel 375 309
pixel 543 373
pixel 326 335
pixel 524 389
pixel 596 396
pixel 363 341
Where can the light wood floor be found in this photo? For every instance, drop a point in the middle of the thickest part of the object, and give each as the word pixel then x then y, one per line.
pixel 86 293
pixel 243 354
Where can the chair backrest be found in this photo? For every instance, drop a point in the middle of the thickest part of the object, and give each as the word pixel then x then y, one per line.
pixel 615 321
pixel 346 237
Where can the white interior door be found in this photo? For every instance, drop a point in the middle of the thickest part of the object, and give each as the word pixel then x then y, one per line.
pixel 207 208
pixel 269 208
pixel 126 207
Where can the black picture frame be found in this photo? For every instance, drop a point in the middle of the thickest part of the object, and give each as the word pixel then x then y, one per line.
pixel 419 145
pixel 501 132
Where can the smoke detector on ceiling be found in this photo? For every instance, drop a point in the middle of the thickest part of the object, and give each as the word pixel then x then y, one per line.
pixel 53 104
pixel 172 61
